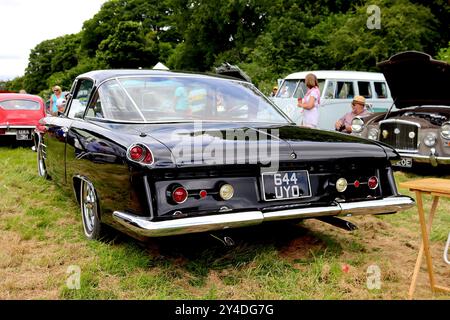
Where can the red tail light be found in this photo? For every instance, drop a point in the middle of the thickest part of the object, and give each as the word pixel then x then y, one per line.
pixel 203 194
pixel 372 182
pixel 2 131
pixel 136 153
pixel 179 195
pixel 140 153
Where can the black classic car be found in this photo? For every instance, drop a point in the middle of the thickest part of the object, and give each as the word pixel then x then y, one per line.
pixel 159 153
pixel 420 127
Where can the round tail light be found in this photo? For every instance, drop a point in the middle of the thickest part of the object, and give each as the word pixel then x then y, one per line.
pixel 136 153
pixel 372 182
pixel 226 191
pixel 140 153
pixel 179 195
pixel 341 185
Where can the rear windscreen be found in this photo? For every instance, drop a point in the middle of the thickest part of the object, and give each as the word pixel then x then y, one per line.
pixel 19 105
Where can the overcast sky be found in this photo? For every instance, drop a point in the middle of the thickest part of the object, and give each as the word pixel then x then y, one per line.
pixel 26 23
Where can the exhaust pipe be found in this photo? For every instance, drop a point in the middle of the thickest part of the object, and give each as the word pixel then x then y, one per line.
pixel 340 223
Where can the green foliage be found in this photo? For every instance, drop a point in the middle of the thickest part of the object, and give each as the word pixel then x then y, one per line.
pixel 49 57
pixel 128 47
pixel 15 84
pixel 444 54
pixel 404 26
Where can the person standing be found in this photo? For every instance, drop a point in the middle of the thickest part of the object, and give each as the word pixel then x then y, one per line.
pixel 310 102
pixel 56 101
pixel 274 92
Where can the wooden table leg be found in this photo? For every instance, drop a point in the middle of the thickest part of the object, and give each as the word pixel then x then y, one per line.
pixel 412 287
pixel 425 239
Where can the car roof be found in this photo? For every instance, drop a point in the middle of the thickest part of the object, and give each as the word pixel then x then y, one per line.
pixel 335 74
pixel 102 75
pixel 20 96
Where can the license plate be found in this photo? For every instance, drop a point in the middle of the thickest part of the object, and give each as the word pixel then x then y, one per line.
pixel 22 134
pixel 284 185
pixel 404 163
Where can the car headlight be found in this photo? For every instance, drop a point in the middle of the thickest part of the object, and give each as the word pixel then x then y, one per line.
pixel 430 139
pixel 357 125
pixel 445 130
pixel 373 134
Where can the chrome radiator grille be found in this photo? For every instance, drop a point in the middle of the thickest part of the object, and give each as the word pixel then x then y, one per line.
pixel 401 135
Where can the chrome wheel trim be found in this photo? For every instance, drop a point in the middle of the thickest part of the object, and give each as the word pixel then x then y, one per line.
pixel 88 202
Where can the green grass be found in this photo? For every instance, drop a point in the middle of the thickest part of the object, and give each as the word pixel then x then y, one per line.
pixel 279 261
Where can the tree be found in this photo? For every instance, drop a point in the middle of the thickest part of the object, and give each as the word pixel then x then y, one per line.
pixel 48 57
pixel 128 47
pixel 211 28
pixel 404 26
pixel 153 16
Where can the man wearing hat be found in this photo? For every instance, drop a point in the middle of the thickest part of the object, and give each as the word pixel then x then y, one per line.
pixel 344 124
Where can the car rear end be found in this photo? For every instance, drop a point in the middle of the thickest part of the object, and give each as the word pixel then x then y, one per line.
pixel 19 116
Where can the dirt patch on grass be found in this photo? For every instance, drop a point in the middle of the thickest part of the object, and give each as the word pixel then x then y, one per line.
pixel 301 248
pixel 31 269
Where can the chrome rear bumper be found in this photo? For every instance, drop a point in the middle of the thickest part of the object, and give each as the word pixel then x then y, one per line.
pixel 431 159
pixel 144 227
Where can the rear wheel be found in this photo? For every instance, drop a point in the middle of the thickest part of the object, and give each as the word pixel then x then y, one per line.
pixel 92 226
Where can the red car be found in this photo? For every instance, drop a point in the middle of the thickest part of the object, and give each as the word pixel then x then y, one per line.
pixel 20 114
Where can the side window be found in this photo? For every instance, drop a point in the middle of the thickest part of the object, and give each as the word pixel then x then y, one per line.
pixel 301 90
pixel 287 89
pixel 380 90
pixel 364 89
pixel 344 90
pixel 330 90
pixel 80 98
pixel 95 110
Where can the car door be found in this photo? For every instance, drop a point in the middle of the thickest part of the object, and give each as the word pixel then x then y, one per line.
pixel 55 145
pixel 59 129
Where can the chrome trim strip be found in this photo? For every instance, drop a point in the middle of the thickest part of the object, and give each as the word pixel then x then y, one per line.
pixel 400 121
pixel 18 127
pixel 426 159
pixel 148 228
pixel 310 212
pixel 143 226
pixel 385 205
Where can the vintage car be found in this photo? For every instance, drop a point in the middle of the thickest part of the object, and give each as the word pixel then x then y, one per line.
pixel 20 114
pixel 159 153
pixel 420 127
